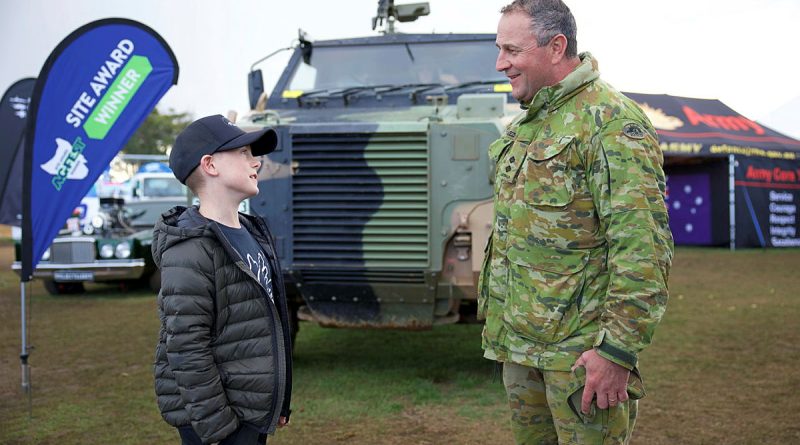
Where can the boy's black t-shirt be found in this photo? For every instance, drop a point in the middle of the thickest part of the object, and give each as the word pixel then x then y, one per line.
pixel 252 254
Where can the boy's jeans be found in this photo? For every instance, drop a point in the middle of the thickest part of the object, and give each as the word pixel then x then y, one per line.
pixel 245 435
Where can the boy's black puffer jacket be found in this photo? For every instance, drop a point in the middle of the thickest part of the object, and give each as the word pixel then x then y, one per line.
pixel 224 350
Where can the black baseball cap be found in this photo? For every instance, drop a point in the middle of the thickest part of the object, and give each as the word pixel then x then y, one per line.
pixel 211 134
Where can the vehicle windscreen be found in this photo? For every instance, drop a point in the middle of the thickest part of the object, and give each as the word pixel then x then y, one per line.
pixel 163 188
pixel 445 63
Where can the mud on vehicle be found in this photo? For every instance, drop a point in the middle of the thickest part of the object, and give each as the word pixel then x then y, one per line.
pixel 379 194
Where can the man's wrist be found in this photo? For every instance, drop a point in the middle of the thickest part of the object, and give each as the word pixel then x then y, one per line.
pixel 614 353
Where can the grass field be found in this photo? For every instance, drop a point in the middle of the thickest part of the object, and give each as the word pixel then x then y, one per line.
pixel 722 369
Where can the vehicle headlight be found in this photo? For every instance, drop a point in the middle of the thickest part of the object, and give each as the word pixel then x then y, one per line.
pixel 123 250
pixel 98 222
pixel 46 255
pixel 106 251
pixel 88 229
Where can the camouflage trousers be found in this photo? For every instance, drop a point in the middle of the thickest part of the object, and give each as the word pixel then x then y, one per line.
pixel 541 412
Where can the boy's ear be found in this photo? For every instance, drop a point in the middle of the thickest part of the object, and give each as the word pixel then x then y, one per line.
pixel 207 165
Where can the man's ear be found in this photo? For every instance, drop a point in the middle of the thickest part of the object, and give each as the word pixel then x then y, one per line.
pixel 558 48
pixel 207 165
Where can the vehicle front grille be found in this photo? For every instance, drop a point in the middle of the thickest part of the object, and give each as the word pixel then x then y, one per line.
pixel 311 276
pixel 72 252
pixel 360 200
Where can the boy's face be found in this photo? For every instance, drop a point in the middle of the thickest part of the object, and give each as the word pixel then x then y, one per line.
pixel 238 170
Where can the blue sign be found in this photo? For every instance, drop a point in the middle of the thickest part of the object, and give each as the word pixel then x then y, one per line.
pixel 689 204
pixel 154 167
pixel 767 200
pixel 93 92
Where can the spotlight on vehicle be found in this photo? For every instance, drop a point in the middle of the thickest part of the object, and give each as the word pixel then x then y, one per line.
pixel 123 250
pixel 88 229
pixel 98 222
pixel 106 251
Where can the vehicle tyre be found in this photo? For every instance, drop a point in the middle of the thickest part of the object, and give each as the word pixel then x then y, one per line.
pixel 55 288
pixel 294 323
pixel 154 281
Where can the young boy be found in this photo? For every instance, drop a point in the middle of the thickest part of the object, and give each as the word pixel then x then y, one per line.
pixel 223 370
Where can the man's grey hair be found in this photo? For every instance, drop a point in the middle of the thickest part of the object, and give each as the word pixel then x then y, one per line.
pixel 549 18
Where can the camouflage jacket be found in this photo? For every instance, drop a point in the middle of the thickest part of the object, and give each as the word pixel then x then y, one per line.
pixel 581 247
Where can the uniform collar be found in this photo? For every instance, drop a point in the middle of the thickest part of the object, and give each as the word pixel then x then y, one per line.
pixel 555 96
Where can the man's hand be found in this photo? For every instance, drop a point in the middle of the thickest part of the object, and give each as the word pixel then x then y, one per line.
pixel 603 377
pixel 282 422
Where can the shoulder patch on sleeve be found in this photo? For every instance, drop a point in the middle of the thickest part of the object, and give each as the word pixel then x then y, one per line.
pixel 633 131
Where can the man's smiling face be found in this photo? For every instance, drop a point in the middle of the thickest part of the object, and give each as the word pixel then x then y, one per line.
pixel 527 65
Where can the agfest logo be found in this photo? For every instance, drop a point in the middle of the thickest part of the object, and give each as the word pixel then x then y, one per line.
pixel 96 109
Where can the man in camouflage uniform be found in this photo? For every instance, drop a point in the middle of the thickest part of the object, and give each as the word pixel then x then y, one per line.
pixel 575 277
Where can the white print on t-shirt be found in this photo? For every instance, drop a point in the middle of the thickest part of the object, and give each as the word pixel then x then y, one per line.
pixel 261 270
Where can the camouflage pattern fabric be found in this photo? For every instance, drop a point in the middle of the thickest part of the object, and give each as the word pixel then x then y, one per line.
pixel 581 248
pixel 542 415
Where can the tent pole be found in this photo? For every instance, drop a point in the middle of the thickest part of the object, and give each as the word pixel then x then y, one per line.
pixel 732 200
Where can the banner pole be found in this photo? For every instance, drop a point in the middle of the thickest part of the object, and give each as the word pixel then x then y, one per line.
pixel 23 357
pixel 732 200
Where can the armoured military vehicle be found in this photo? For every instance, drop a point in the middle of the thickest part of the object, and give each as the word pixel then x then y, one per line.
pixel 379 195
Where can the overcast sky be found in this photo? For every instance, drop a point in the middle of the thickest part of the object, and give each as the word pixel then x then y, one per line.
pixel 738 51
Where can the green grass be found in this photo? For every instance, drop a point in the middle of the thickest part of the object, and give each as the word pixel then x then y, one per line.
pixel 722 368
pixel 378 373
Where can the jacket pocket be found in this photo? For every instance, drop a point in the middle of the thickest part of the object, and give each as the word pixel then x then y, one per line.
pixel 483 279
pixel 547 175
pixel 545 285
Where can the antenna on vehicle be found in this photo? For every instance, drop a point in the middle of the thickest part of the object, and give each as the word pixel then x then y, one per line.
pixel 389 12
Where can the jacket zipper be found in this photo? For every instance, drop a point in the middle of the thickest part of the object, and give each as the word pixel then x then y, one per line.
pixel 278 347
